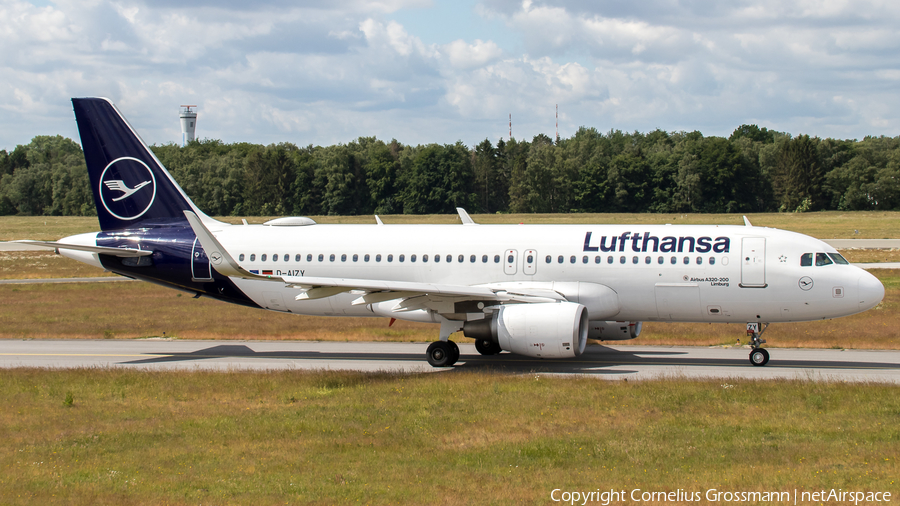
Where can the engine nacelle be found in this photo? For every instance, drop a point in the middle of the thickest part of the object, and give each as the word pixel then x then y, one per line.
pixel 614 331
pixel 545 330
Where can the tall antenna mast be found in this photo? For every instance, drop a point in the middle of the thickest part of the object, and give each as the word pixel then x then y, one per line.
pixel 557 123
pixel 510 126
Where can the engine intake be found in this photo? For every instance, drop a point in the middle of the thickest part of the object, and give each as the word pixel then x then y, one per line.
pixel 544 330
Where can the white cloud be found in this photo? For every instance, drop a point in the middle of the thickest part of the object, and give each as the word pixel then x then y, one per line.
pixel 330 71
pixel 464 55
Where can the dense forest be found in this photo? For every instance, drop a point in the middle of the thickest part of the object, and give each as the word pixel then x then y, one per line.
pixel 753 170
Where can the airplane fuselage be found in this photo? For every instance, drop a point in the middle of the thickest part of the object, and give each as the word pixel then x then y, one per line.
pixel 691 273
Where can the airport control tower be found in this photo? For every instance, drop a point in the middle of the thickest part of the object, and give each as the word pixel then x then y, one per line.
pixel 188 124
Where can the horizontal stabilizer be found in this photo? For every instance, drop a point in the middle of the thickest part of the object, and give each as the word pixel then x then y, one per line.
pixel 119 252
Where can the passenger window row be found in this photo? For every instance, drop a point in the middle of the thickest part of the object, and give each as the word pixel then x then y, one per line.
pixel 686 260
pixel 367 257
pixel 634 259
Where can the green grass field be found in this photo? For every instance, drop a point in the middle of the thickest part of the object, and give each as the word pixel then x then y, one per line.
pixel 824 225
pixel 131 437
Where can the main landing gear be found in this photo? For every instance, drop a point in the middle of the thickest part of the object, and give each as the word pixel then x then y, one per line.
pixel 442 353
pixel 758 355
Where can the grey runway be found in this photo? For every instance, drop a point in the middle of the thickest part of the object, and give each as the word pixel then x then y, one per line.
pixel 601 361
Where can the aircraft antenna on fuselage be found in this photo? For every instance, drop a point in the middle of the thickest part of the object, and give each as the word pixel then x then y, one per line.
pixel 747 222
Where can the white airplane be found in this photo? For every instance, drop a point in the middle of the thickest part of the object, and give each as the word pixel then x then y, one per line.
pixel 536 290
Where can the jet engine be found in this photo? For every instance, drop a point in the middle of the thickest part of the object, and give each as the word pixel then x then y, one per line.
pixel 614 331
pixel 542 330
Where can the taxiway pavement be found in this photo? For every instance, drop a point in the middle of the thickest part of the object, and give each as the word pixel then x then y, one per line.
pixel 601 361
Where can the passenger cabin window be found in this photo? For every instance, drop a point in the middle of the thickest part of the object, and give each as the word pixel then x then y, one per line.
pixel 584 259
pixel 822 259
pixel 412 258
pixel 609 259
pixel 252 257
pixel 484 259
pixel 401 258
pixel 275 257
pixel 496 259
pixel 597 259
pixel 460 259
pixel 366 258
pixel 472 258
pixel 241 257
pixel 549 259
pixel 806 260
pixel 390 258
pixel 321 257
pixel 355 257
pixel 297 257
pixel 262 258
pixel 560 259
pixel 309 257
pixel 331 257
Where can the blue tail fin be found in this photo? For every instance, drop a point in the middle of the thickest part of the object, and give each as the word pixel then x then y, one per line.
pixel 131 187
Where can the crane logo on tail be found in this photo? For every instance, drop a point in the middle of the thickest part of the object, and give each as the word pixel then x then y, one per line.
pixel 127 188
pixel 118 184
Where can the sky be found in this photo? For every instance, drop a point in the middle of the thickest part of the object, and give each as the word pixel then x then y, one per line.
pixel 324 72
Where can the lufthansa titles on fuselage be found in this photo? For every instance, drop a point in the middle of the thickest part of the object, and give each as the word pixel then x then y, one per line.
pixel 643 242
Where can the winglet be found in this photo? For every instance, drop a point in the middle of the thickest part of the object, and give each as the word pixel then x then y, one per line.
pixel 464 217
pixel 747 222
pixel 221 261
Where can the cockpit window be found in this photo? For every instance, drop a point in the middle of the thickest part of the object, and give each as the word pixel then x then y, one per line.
pixel 806 260
pixel 838 259
pixel 822 259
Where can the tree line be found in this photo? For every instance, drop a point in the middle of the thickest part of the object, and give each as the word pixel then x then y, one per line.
pixel 753 170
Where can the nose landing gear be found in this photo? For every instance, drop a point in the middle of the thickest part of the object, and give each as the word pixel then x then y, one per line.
pixel 759 356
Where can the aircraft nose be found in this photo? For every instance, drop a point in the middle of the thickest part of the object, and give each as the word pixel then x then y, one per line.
pixel 871 291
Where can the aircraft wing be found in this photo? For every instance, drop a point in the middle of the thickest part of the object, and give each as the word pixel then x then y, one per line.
pixel 375 290
pixel 371 290
pixel 119 252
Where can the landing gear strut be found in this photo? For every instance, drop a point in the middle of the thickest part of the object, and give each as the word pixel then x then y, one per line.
pixel 442 353
pixel 758 355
